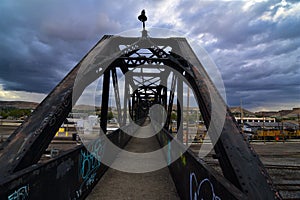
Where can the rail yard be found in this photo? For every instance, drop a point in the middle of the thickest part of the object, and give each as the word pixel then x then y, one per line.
pixel 281 158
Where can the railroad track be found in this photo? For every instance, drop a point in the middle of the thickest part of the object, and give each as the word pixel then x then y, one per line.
pixel 289 188
pixel 288 167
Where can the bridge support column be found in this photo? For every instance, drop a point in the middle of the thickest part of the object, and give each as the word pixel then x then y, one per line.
pixel 105 99
pixel 126 99
pixel 179 111
pixel 117 94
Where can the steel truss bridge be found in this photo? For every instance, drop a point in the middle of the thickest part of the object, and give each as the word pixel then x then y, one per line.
pixel 147 63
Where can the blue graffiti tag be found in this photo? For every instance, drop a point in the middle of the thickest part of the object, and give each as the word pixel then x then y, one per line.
pixel 89 163
pixel 96 148
pixel 20 194
pixel 198 193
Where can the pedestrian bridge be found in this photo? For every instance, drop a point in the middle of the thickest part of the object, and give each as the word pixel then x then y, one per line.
pixel 142 159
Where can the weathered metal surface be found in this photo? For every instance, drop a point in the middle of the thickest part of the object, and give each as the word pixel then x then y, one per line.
pixel 234 152
pixel 117 94
pixel 104 102
pixel 71 175
pixel 179 111
pixel 193 178
pixel 171 98
pixel 26 145
pixel 239 162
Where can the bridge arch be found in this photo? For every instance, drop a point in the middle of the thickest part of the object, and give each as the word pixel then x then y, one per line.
pixel 26 145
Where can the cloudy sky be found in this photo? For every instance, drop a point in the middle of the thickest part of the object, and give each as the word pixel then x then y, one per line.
pixel 255 44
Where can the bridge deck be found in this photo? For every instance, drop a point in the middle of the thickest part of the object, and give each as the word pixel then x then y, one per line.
pixel 122 185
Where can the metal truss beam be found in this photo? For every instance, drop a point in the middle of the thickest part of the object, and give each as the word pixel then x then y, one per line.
pixel 240 164
pixel 179 110
pixel 117 94
pixel 171 99
pixel 104 102
pixel 28 142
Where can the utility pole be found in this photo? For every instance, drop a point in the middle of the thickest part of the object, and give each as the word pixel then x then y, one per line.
pixel 296 131
pixel 264 127
pixel 282 131
pixel 242 117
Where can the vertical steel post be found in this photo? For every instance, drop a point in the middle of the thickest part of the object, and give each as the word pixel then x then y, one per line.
pixel 104 102
pixel 171 98
pixel 134 104
pixel 179 110
pixel 187 115
pixel 138 101
pixel 117 94
pixel 126 97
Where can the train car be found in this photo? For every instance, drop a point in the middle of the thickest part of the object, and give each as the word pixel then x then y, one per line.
pixel 277 134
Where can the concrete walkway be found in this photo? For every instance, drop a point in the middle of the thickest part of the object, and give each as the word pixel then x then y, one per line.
pixel 151 185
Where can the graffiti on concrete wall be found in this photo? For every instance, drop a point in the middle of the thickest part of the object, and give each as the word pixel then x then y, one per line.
pixel 89 163
pixel 96 148
pixel 20 194
pixel 202 190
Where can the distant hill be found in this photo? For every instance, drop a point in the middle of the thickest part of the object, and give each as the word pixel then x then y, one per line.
pixel 237 111
pixel 33 105
pixel 84 107
pixel 293 113
pixel 18 104
pixel 280 114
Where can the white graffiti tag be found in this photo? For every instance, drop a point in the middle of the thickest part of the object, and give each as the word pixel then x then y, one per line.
pixel 202 190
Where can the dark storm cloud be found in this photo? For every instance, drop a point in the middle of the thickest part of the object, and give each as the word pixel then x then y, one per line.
pixel 256 47
pixel 42 41
pixel 269 76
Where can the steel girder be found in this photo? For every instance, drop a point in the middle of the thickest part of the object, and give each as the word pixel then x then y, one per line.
pixel 105 101
pixel 239 162
pixel 29 141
